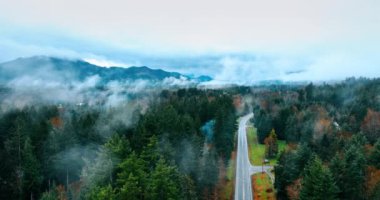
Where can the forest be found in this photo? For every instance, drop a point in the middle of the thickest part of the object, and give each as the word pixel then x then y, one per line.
pixel 333 138
pixel 170 148
pixel 177 143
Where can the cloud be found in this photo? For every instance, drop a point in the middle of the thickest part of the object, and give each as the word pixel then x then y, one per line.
pixel 248 69
pixel 181 81
pixel 107 63
pixel 338 66
pixel 253 41
pixel 174 26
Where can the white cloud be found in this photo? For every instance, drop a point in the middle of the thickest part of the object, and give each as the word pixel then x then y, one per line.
pixel 107 63
pixel 248 40
pixel 181 81
pixel 203 25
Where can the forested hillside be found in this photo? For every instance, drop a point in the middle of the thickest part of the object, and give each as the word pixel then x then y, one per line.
pixel 177 144
pixel 131 151
pixel 333 137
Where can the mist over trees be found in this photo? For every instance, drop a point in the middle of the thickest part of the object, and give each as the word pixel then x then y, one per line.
pixel 69 151
pixel 332 136
pixel 176 143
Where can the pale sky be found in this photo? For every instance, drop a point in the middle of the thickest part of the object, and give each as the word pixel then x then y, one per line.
pixel 265 39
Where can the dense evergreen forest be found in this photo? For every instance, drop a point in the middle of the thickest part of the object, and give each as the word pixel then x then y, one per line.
pixel 333 137
pixel 170 148
pixel 176 143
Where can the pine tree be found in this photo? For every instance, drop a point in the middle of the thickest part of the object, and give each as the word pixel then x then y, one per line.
pixel 14 147
pixel 164 182
pixel 225 125
pixel 101 193
pixel 338 167
pixel 309 90
pixel 118 145
pixel 131 188
pixel 303 156
pixel 317 183
pixel 286 172
pixel 354 173
pixel 263 123
pixel 133 172
pixel 375 155
pixel 32 177
pixel 271 145
pixel 98 171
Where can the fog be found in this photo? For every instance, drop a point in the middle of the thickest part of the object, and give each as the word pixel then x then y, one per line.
pixel 88 106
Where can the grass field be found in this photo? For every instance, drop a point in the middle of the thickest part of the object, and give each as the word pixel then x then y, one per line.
pixel 257 151
pixel 262 187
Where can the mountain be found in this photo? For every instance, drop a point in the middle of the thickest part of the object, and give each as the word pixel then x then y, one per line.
pixel 66 70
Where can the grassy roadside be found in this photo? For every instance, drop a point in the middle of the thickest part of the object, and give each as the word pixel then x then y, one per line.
pixel 262 185
pixel 257 151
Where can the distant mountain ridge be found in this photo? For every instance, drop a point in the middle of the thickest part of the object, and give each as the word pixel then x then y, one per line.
pixel 58 69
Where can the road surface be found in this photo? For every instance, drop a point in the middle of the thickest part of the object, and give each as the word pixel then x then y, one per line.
pixel 244 169
pixel 243 186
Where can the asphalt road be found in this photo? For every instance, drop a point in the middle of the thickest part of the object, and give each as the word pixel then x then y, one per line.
pixel 244 169
pixel 243 185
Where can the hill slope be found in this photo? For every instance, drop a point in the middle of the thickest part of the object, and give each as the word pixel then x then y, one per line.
pixel 57 69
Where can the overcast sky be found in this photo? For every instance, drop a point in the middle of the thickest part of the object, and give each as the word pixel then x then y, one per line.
pixel 236 41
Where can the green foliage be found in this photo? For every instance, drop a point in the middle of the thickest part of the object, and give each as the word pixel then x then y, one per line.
pixel 188 189
pixel 304 154
pixel 376 193
pixel 99 171
pixel 354 173
pixel 279 122
pixel 132 177
pixel 375 155
pixel 87 149
pixel 336 122
pixel 263 123
pixel 309 90
pixel 337 167
pixel 324 148
pixel 225 126
pixel 317 182
pixel 208 172
pixel 32 177
pixel 290 167
pixel 271 145
pixel 349 170
pixel 163 182
pixel 118 145
pixel 50 195
pixel 161 152
pixel 131 188
pixel 101 193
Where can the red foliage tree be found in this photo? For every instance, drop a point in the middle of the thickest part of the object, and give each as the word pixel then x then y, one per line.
pixel 371 125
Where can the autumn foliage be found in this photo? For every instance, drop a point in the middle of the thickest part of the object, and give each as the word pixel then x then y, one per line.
pixel 271 145
pixel 293 190
pixel 371 125
pixel 56 122
pixel 372 179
